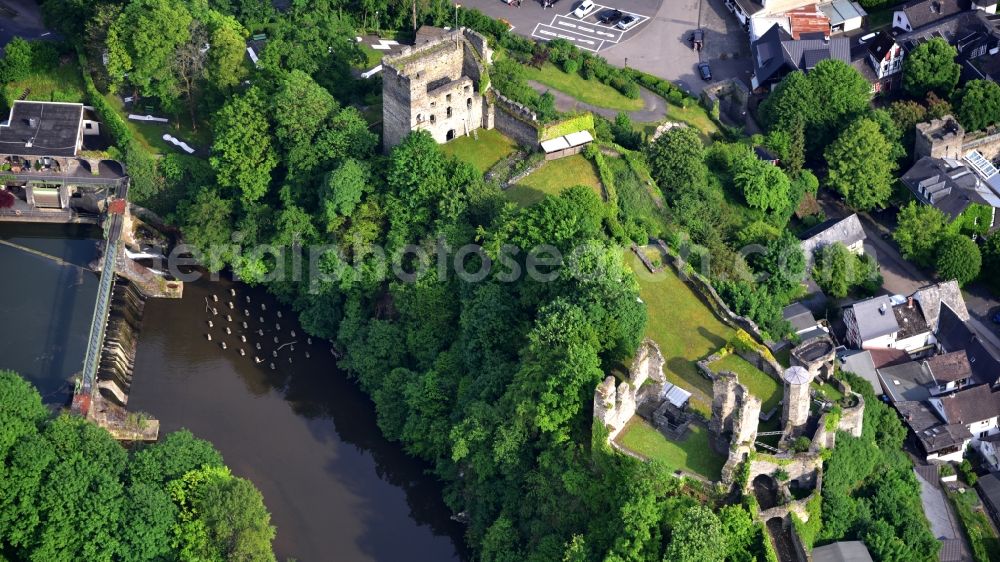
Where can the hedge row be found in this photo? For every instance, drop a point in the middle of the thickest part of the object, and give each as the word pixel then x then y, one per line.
pixel 109 117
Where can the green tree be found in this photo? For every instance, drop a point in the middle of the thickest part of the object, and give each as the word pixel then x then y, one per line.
pixel 146 38
pixel 837 271
pixel 979 104
pixel 21 410
pixel 860 165
pixel 676 160
pixel 919 229
pixel 16 62
pixel 242 155
pixel 793 101
pixel 697 537
pixel 991 261
pixel 906 114
pixel 764 185
pixel 958 258
pixel 841 93
pixel 207 222
pixel 931 67
pixel 221 517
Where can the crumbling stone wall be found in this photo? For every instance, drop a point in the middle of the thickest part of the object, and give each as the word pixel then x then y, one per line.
pixel 615 405
pixel 515 121
pixel 437 86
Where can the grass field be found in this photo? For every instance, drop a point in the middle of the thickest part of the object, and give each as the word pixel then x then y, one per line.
pixel 373 57
pixel 150 135
pixel 982 538
pixel 694 454
pixel 490 148
pixel 593 92
pixel 63 83
pixel 552 178
pixel 757 382
pixel 828 390
pixel 683 326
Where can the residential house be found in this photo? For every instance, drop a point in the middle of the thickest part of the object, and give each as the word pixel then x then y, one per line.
pixel 917 14
pixel 955 333
pixel 971 30
pixel 922 379
pixel 876 323
pixel 776 53
pixel 880 61
pixel 797 16
pixel 950 186
pixel 803 322
pixel 844 15
pixel 848 231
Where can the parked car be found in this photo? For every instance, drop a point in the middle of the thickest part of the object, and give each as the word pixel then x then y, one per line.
pixel 585 9
pixel 627 22
pixel 705 71
pixel 698 39
pixel 610 17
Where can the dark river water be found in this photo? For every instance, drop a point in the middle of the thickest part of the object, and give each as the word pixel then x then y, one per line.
pixel 303 433
pixel 46 305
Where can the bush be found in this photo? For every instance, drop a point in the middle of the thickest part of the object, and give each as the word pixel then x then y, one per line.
pixel 781 475
pixel 801 444
pixel 6 199
pixel 570 66
pixel 968 474
pixel 958 258
pixel 946 469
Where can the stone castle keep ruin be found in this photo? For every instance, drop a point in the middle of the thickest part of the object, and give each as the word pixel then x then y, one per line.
pixel 439 87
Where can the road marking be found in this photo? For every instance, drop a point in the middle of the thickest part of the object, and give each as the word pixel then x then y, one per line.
pixel 590 29
pixel 567 24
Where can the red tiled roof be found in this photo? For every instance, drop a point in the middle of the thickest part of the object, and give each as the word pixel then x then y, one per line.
pixel 808 19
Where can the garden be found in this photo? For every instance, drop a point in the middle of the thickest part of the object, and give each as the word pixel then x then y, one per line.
pixel 483 152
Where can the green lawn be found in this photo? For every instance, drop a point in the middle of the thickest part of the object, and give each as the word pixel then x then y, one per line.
pixel 694 115
pixel 593 91
pixel 552 178
pixel 694 454
pixel 150 135
pixel 828 390
pixel 63 83
pixel 490 148
pixel 683 326
pixel 373 57
pixel 757 382
pixel 982 537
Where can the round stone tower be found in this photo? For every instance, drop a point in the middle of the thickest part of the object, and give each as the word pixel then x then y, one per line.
pixel 795 410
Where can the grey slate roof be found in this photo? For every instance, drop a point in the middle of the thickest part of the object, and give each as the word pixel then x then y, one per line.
pixel 875 317
pixel 948 185
pixel 907 382
pixel 989 486
pixel 844 551
pixel 846 231
pixel 860 363
pixel 954 335
pixel 880 45
pixel 800 317
pixel 924 12
pixel 971 405
pixel 51 129
pixel 933 434
pixel 932 296
pixel 776 53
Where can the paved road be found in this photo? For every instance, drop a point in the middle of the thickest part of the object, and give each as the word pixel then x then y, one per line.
pixel 654 110
pixel 939 511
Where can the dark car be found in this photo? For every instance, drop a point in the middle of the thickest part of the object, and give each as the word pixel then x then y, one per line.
pixel 697 39
pixel 609 17
pixel 705 71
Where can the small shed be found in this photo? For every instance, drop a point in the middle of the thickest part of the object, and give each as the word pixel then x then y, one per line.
pixel 567 145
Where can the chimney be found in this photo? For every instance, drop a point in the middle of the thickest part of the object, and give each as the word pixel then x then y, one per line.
pixel 32 122
pixel 909 302
pixel 881 309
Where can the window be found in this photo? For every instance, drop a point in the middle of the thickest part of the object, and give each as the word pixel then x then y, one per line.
pixel 420 118
pixel 467 88
pixel 432 119
pixel 468 103
pixel 447 97
pixel 449 112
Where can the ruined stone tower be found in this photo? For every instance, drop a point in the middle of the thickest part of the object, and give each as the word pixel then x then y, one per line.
pixel 734 410
pixel 795 409
pixel 437 86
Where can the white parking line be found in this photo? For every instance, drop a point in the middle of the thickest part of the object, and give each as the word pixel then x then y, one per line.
pixel 547 32
pixel 587 35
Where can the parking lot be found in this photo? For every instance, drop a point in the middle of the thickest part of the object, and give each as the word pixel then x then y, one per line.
pixel 587 33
